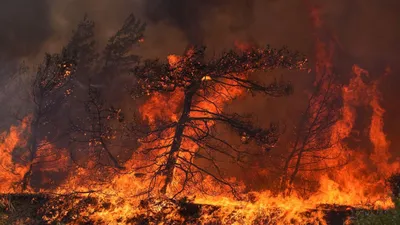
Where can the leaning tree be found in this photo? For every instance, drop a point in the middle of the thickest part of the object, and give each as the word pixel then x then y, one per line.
pixel 52 85
pixel 96 130
pixel 202 85
pixel 63 85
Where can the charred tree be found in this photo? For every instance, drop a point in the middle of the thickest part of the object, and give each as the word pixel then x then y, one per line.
pixel 53 84
pixel 201 82
pixel 63 79
pixel 94 130
pixel 313 134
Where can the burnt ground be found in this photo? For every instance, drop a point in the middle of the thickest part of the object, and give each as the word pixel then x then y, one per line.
pixel 32 209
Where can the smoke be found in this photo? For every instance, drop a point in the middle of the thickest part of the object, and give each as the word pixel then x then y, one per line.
pixel 366 30
pixel 24 26
pixel 189 16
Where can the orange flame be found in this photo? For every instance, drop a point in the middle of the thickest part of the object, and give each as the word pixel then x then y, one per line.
pixel 11 173
pixel 360 182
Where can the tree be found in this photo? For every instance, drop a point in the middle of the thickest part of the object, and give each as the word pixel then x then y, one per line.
pixel 93 131
pixel 61 78
pixel 51 87
pixel 310 150
pixel 96 131
pixel 173 145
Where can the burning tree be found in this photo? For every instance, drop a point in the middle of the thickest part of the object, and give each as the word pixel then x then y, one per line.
pixel 52 85
pixel 94 131
pixel 58 76
pixel 201 87
pixel 311 148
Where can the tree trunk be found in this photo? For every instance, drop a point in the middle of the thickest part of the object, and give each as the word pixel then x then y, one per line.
pixel 177 141
pixel 33 147
pixel 111 157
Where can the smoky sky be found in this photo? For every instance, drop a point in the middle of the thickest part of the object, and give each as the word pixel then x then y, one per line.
pixel 189 15
pixel 367 29
pixel 24 26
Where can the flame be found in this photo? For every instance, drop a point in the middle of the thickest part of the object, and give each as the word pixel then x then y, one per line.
pixel 11 173
pixel 361 181
pixel 166 107
pixel 349 185
pixel 357 182
pixel 206 78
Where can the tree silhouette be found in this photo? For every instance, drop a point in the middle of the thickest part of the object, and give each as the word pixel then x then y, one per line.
pixel 200 82
pixel 93 131
pixel 313 134
pixel 51 87
pixel 62 78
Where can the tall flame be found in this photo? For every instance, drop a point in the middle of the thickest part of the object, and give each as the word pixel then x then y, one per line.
pixel 11 172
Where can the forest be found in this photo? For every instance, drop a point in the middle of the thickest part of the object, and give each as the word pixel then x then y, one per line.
pixel 101 134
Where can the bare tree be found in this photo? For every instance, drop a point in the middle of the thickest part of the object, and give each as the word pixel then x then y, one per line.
pixel 95 130
pixel 313 135
pixel 204 81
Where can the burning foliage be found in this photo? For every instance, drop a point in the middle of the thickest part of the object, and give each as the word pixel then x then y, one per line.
pixel 201 88
pixel 73 209
pixel 52 85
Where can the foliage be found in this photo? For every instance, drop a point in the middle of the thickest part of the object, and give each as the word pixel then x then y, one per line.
pixel 60 80
pixel 394 184
pixel 52 85
pixel 380 217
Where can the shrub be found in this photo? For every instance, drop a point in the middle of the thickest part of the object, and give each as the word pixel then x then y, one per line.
pixel 382 217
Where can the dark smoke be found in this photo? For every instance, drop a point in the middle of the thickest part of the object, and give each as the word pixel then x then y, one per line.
pixel 189 16
pixel 24 26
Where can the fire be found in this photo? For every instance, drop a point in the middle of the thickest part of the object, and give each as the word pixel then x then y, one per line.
pixel 11 173
pixel 161 106
pixel 356 182
pixel 166 107
pixel 353 178
pixel 347 185
pixel 360 179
